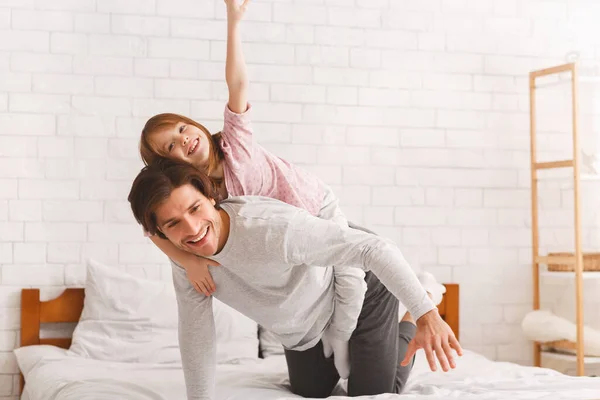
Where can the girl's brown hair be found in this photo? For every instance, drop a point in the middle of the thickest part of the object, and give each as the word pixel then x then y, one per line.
pixel 168 120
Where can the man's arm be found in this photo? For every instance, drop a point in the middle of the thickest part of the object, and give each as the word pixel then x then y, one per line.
pixel 314 241
pixel 317 242
pixel 196 338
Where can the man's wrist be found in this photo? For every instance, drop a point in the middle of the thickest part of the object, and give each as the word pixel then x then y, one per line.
pixel 429 316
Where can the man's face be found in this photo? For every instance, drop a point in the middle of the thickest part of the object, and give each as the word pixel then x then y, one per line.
pixel 190 221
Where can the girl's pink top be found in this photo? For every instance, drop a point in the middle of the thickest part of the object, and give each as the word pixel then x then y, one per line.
pixel 249 169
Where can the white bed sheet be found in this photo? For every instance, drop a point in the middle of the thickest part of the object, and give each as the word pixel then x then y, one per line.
pixel 71 378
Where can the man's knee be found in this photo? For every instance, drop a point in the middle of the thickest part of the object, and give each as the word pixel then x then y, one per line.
pixel 406 332
pixel 310 373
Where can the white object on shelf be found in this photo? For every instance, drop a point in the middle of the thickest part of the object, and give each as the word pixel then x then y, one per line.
pixel 543 326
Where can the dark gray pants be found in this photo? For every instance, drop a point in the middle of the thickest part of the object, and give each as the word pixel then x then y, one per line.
pixel 377 347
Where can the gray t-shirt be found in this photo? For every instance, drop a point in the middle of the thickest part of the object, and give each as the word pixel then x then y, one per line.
pixel 276 269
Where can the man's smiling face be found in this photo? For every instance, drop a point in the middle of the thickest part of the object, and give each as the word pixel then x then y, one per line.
pixel 190 221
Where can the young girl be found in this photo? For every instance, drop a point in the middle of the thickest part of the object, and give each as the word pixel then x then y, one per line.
pixel 239 166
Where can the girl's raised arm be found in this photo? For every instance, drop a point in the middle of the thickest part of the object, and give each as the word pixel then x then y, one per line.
pixel 236 75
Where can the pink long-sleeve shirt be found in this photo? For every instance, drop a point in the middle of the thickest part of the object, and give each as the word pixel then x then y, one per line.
pixel 249 169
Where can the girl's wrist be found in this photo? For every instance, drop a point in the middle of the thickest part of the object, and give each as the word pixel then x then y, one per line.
pixel 232 22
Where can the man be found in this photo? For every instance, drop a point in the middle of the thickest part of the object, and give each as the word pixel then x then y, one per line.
pixel 276 269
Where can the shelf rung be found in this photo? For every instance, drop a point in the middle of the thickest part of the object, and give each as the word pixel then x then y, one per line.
pixel 561 344
pixel 569 260
pixel 552 70
pixel 554 164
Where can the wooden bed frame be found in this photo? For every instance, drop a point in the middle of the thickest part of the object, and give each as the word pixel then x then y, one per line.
pixel 68 306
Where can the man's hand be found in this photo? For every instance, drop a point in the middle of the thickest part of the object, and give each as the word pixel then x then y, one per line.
pixel 200 277
pixel 434 336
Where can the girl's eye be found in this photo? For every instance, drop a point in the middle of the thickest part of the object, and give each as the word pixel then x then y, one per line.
pixel 181 128
pixel 171 147
pixel 194 209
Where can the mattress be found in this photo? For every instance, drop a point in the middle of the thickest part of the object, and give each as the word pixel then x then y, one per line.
pixel 63 377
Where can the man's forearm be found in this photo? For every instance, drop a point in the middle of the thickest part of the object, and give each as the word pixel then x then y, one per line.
pixel 196 338
pixel 389 265
pixel 320 242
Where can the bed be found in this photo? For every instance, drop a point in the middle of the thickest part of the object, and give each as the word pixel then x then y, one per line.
pixel 52 373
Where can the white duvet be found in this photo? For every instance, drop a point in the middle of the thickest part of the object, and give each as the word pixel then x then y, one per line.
pixel 53 375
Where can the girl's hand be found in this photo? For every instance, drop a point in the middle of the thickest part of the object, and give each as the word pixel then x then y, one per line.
pixel 236 9
pixel 200 277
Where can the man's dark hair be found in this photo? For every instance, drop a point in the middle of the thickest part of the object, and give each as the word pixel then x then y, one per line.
pixel 155 183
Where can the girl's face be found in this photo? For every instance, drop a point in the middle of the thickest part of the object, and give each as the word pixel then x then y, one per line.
pixel 184 142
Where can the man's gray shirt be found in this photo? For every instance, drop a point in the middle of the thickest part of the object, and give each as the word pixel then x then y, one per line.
pixel 276 269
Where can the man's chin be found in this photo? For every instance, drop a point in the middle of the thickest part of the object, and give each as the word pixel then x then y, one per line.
pixel 198 252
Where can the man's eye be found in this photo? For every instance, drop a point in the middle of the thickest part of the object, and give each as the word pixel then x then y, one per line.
pixel 171 147
pixel 172 225
pixel 195 208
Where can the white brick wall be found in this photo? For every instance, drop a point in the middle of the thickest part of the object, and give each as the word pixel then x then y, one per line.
pixel 414 111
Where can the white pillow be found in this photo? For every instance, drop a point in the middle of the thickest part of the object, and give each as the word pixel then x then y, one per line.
pixel 28 357
pixel 126 318
pixel 131 319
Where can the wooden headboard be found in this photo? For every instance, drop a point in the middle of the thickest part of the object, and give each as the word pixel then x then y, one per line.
pixel 450 306
pixel 68 306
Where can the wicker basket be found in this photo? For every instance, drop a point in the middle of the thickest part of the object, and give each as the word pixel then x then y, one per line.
pixel 591 262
